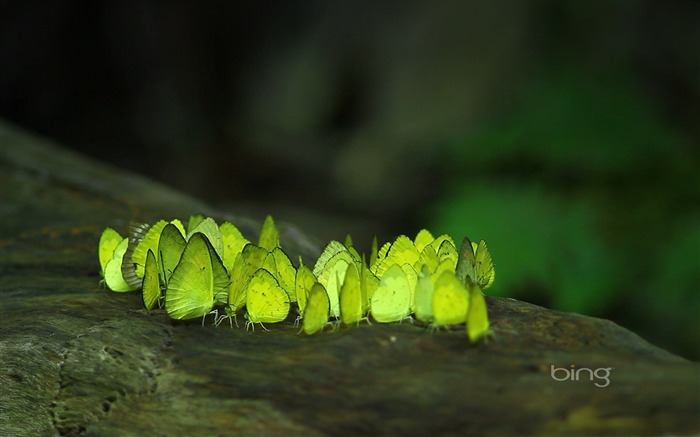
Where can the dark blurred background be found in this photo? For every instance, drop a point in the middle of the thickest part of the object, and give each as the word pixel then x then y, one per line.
pixel 565 133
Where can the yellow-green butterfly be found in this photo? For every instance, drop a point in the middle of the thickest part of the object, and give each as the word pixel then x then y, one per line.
pixel 475 263
pixel 383 251
pixel 446 265
pixel 113 269
pixel 368 285
pixel 245 264
pixel 303 282
pixel 437 242
pixel 450 300
pixel 233 241
pixel 423 238
pixel 349 246
pixel 428 257
pixel 193 222
pixel 412 278
pixel 178 224
pixel 151 283
pixel 237 289
pixel 351 307
pixel 142 239
pixel 402 251
pixel 109 240
pixel 477 316
pixel 348 241
pixel 447 250
pixel 424 296
pixel 328 252
pixel 286 273
pixel 332 276
pixel 211 230
pixel 269 235
pixel 170 247
pixel 197 279
pixel 379 257
pixel 254 257
pixel 266 301
pixel 317 310
pixel 391 301
pixel 373 252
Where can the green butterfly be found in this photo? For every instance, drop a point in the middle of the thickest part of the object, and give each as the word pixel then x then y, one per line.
pixel 198 278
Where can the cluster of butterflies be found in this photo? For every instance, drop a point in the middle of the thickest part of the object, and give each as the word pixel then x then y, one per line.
pixel 195 271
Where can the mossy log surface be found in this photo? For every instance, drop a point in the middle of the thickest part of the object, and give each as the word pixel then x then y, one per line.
pixel 81 360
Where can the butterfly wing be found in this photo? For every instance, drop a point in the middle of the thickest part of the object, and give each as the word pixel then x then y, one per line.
pixel 485 271
pixel 424 296
pixel 190 291
pixel 142 239
pixel 477 317
pixel 114 279
pixel 317 310
pixel 351 297
pixel 391 300
pixel 211 230
pixel 402 251
pixel 286 273
pixel 109 240
pixel 466 263
pixel 151 283
pixel 450 300
pixel 170 248
pixel 233 242
pixel 269 235
pixel 331 249
pixel 304 280
pixel 266 301
pixel 423 238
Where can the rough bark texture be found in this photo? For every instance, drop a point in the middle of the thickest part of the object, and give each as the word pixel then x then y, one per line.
pixel 78 359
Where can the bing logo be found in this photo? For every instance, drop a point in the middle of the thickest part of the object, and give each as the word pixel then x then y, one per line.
pixel 574 374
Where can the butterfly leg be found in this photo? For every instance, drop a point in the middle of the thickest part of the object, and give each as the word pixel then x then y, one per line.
pixel 249 324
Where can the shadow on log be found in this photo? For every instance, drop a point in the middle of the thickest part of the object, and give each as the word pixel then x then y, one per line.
pixel 77 359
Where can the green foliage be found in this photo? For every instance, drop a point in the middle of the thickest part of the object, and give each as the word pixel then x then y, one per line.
pixel 589 202
pixel 539 241
pixel 576 122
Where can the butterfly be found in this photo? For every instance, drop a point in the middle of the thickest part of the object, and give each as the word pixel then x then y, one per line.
pixel 351 305
pixel 475 263
pixel 317 310
pixel 113 277
pixel 170 247
pixel 198 278
pixel 392 299
pixel 151 283
pixel 450 300
pixel 109 240
pixel 266 301
pixel 269 235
